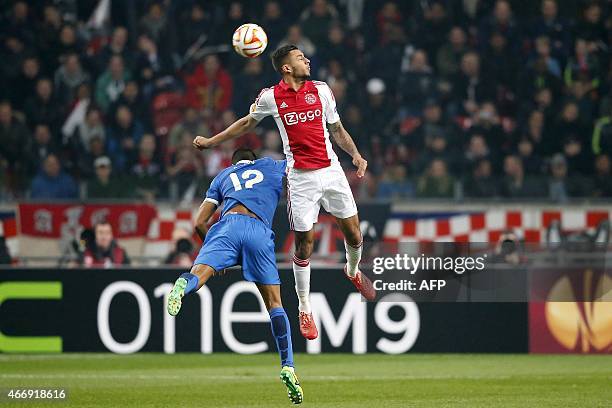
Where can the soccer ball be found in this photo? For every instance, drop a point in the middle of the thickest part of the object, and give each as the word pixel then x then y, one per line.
pixel 250 40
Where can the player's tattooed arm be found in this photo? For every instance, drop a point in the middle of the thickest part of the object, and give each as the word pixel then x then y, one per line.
pixel 345 141
pixel 238 128
pixel 206 210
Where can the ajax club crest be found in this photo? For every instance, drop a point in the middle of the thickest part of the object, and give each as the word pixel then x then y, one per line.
pixel 310 98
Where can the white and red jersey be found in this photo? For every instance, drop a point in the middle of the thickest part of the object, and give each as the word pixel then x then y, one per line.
pixel 302 117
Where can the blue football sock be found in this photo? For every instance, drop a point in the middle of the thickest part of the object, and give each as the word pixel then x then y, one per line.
pixel 192 282
pixel 281 330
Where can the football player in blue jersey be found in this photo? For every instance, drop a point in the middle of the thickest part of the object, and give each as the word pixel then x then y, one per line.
pixel 249 190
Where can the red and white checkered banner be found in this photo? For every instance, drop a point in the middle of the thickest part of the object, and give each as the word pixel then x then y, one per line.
pixel 488 225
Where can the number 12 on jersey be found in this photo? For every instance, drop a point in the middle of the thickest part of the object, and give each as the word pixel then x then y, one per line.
pixel 251 178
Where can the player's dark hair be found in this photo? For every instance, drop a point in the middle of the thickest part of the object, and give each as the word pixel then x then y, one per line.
pixel 278 56
pixel 243 154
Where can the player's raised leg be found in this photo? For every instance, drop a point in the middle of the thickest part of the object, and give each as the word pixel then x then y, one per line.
pixel 281 330
pixel 304 242
pixel 187 283
pixel 353 243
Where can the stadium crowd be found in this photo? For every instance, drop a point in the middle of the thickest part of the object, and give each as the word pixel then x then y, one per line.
pixel 446 99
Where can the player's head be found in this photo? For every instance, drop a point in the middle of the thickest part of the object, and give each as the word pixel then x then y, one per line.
pixel 103 232
pixel 243 154
pixel 289 60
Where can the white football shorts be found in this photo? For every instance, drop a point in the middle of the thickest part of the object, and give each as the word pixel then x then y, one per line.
pixel 308 190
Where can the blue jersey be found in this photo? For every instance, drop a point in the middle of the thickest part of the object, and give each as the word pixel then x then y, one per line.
pixel 255 184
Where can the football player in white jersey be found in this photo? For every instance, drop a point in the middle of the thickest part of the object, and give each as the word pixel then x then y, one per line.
pixel 306 116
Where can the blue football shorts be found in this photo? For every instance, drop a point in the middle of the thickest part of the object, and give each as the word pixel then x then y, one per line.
pixel 238 239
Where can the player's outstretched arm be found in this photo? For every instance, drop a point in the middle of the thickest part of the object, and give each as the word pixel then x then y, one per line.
pixel 344 140
pixel 206 210
pixel 238 128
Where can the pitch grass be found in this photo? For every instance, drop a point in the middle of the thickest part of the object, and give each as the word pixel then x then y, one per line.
pixel 330 380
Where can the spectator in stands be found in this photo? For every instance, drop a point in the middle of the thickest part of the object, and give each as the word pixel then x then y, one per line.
pixel 15 142
pixel 49 31
pixel 584 64
pixel 85 160
pixel 577 156
pixel 52 182
pixel 436 183
pixel 377 107
pixel 152 66
pixel 388 19
pixel 416 84
pixel 532 162
pixel 561 186
pixel 568 125
pixel 592 27
pixel 248 85
pixel 19 23
pixel 602 181
pixel 317 19
pixel 183 252
pixel 186 167
pixel 500 61
pixel 12 55
pixel 209 86
pixel 551 25
pixel 233 19
pixel 43 107
pixel 25 84
pixel 199 23
pixel 437 147
pixel 105 251
pixel 394 183
pixel 105 185
pixel 501 20
pixel 518 185
pixel 112 82
pixel 68 77
pixel 433 122
pixel 91 127
pixel 296 37
pixel 353 122
pixel 481 183
pixel 275 23
pixel 470 87
pixel 476 151
pixel 536 77
pixel 118 46
pixel 192 123
pixel 132 98
pixel 486 121
pixel 536 132
pixel 68 43
pixel 448 57
pixel 544 52
pixel 42 146
pixel 272 145
pixel 153 24
pixel 337 48
pixel 147 170
pixel 123 137
pixel 432 32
